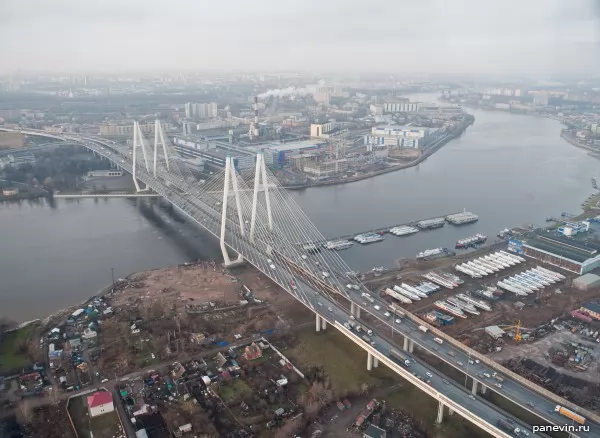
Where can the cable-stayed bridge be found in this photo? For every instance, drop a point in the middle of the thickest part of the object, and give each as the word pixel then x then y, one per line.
pixel 256 220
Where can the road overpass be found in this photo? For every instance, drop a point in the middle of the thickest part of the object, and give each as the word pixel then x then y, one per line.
pixel 253 216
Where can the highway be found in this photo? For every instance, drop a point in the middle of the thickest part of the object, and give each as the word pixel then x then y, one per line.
pixel 204 209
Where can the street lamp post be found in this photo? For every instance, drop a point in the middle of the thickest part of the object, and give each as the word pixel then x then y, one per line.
pixel 112 274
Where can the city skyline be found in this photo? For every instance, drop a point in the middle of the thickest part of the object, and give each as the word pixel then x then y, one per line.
pixel 535 37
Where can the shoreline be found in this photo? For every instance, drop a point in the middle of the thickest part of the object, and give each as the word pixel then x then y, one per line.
pixel 390 169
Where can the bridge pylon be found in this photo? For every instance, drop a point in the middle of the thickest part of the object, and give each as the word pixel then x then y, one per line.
pixel 159 140
pixel 138 142
pixel 260 184
pixel 230 178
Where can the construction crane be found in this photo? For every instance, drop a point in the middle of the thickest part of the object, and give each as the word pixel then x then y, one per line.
pixel 517 326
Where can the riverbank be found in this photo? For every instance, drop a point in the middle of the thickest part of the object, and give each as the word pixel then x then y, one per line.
pixel 429 152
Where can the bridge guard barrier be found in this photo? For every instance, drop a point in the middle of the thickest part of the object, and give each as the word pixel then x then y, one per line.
pixel 496 366
pixel 461 410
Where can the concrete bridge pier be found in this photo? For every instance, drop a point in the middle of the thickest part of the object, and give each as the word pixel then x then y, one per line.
pixel 317 322
pixel 474 388
pixel 369 361
pixel 450 411
pixel 440 414
pixel 354 310
pixel 411 346
pixel 323 323
pixel 405 347
pixel 375 362
pixel 483 388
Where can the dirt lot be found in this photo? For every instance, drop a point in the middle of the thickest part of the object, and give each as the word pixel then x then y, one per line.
pixel 536 351
pixel 185 310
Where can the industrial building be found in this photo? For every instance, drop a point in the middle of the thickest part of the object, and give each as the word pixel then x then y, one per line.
pixel 398 136
pixel 494 331
pixel 326 130
pixel 325 168
pixel 278 154
pixel 401 106
pixel 554 249
pixel 586 282
pixel 207 110
pixel 572 228
pixel 126 128
pixel 214 153
pixel 591 309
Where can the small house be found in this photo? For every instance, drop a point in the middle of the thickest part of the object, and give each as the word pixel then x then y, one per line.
pixel 100 403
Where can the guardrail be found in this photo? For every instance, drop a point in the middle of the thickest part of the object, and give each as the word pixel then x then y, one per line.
pixel 496 366
pixel 461 410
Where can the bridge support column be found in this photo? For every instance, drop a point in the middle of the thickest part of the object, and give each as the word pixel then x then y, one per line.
pixel 440 414
pixel 369 361
pixel 411 346
pixel 450 411
pixel 406 341
pixel 323 323
pixel 352 308
pixel 375 362
pixel 474 387
pixel 483 388
pixel 317 323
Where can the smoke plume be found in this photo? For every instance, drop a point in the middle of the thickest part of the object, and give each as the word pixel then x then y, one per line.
pixel 286 92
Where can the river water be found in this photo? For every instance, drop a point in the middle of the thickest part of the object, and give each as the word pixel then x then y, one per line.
pixel 509 169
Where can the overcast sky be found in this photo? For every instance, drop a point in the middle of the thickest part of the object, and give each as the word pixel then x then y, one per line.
pixel 454 36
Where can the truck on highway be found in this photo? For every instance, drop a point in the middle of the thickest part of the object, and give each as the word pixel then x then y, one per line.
pixel 498 377
pixel 369 298
pixel 570 414
pixel 351 323
pixel 438 340
pixel 400 357
pixel 423 329
pixel 396 311
pixel 347 326
pixel 508 426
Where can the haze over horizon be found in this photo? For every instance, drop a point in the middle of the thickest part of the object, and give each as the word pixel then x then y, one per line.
pixel 458 37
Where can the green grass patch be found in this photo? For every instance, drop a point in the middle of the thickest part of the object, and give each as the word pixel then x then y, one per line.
pixel 13 355
pixel 234 388
pixel 343 361
pixel 106 425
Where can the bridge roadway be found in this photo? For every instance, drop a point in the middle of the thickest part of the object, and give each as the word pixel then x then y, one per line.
pixel 208 217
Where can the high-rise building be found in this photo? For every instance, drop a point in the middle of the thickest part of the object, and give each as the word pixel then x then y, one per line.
pixel 207 110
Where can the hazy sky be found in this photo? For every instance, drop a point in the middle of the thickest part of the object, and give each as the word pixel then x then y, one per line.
pixel 454 36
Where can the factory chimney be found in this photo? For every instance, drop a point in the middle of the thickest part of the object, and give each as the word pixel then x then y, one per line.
pixel 256 111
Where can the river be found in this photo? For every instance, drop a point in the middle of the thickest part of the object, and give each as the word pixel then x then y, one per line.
pixel 509 169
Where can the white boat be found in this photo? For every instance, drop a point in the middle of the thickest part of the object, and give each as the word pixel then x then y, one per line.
pixel 467 271
pixel 527 282
pixel 469 308
pixel 548 271
pixel 403 299
pixel 477 303
pixel 545 275
pixel 487 264
pixel 403 230
pixel 472 266
pixel 338 245
pixel 437 280
pixel 414 290
pixel 453 310
pixel 505 265
pixel 509 287
pixel 514 256
pixel 538 278
pixel 502 258
pixel 406 293
pixel 430 252
pixel 492 262
pixel 518 284
pixel 483 267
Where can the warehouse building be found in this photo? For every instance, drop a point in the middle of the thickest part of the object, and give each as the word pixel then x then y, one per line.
pixel 278 154
pixel 562 252
pixel 494 331
pixel 586 282
pixel 214 153
pixel 398 136
pixel 592 309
